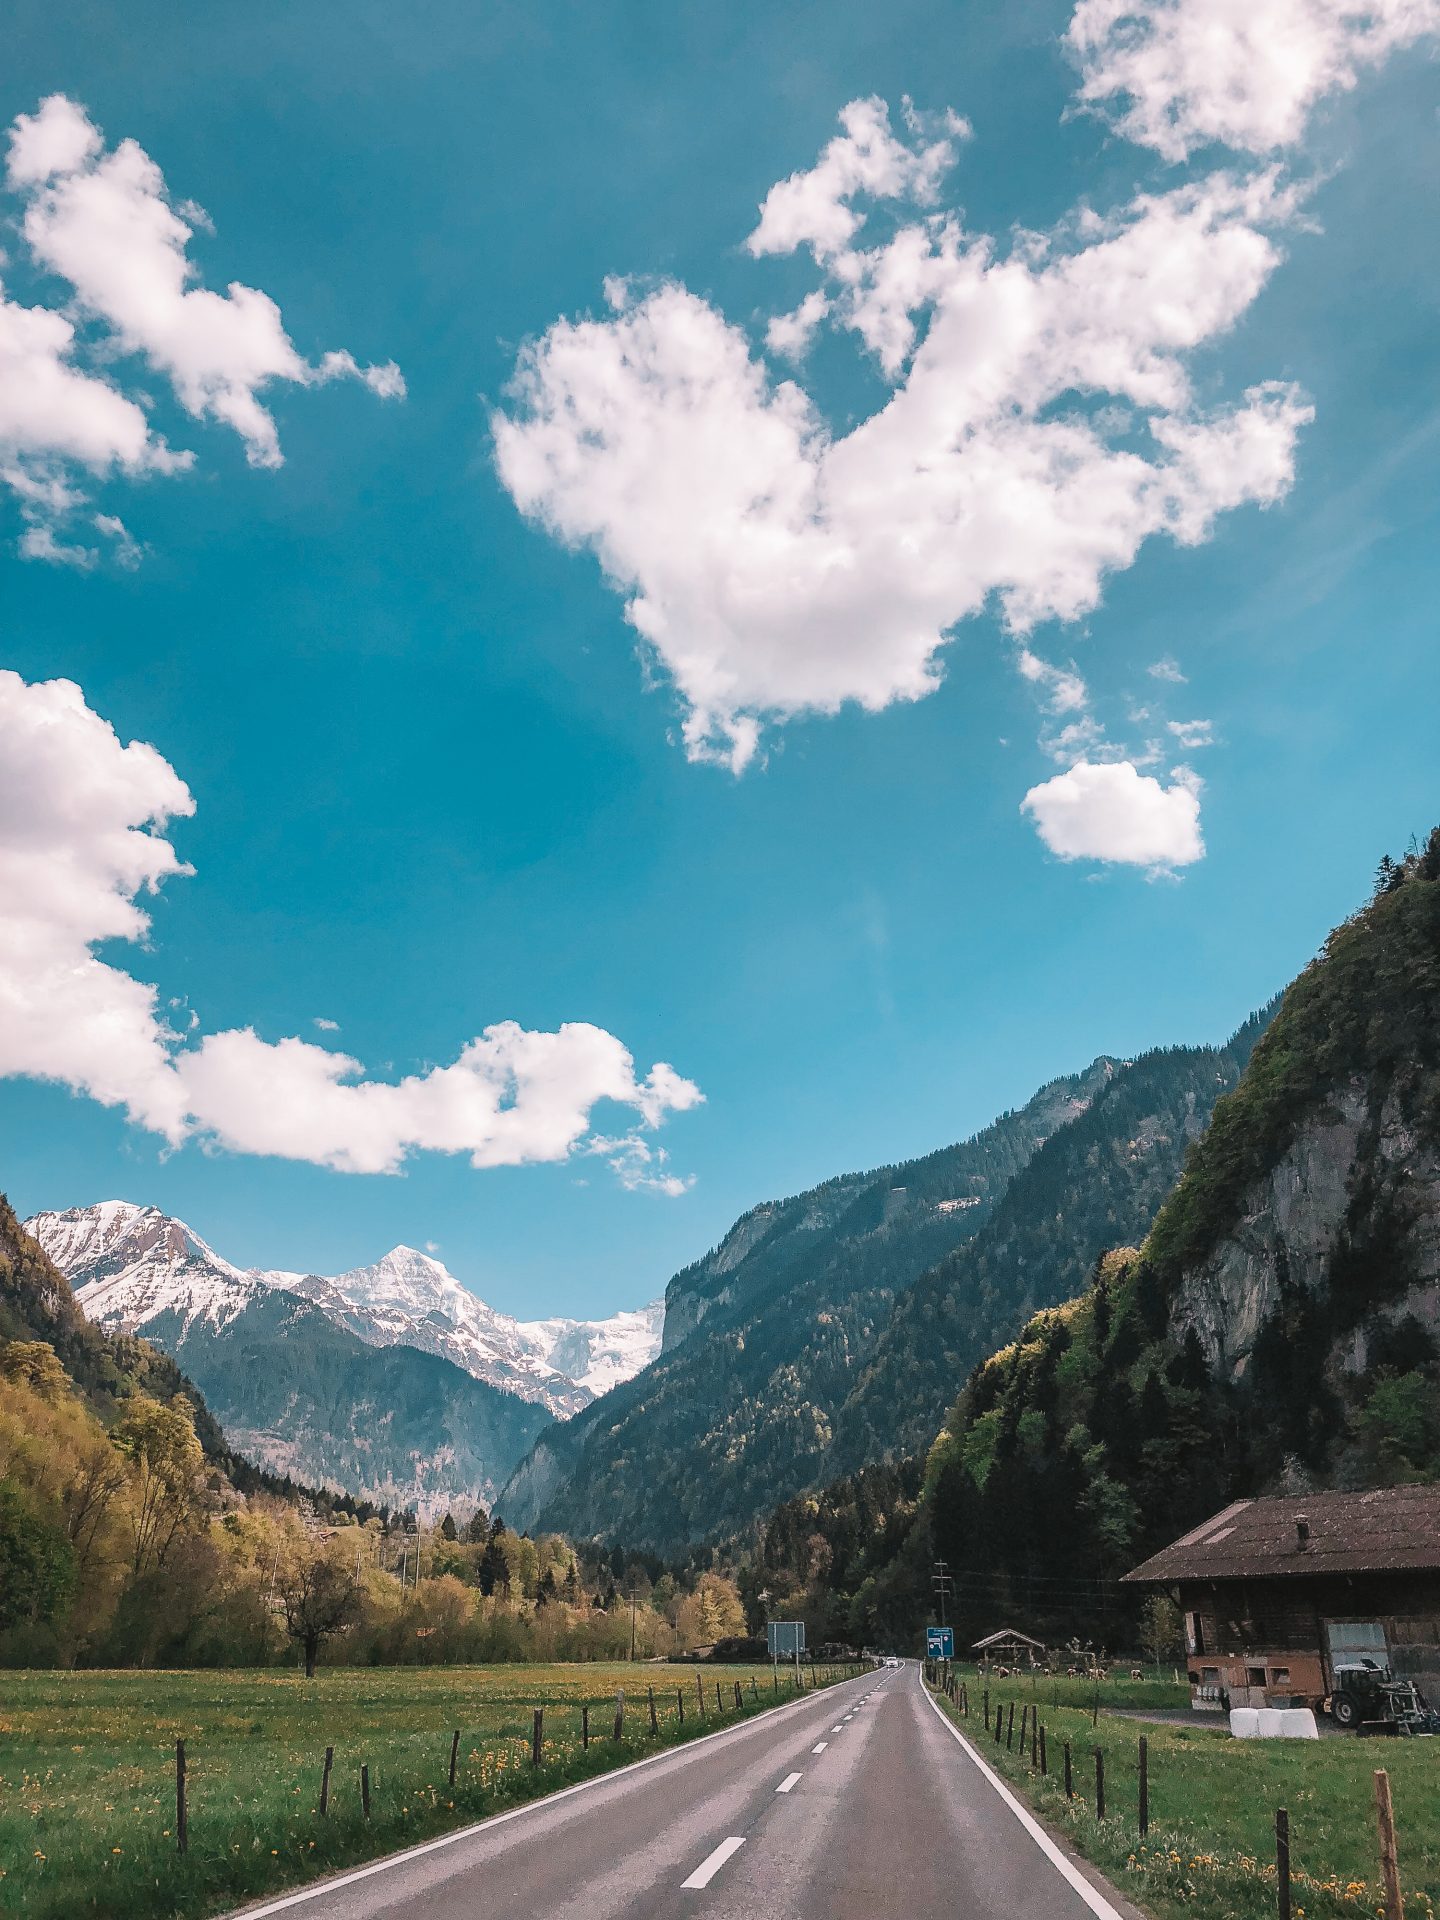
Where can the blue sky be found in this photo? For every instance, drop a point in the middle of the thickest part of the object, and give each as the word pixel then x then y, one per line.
pixel 434 787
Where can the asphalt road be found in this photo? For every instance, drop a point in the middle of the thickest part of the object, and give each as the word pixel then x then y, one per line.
pixel 858 1803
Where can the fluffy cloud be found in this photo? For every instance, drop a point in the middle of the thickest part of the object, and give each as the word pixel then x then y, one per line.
pixel 56 417
pixel 813 208
pixel 82 841
pixel 106 223
pixel 1176 75
pixel 1041 426
pixel 1113 812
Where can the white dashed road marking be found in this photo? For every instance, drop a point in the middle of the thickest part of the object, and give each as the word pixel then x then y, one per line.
pixel 712 1863
pixel 821 1748
pixel 788 1782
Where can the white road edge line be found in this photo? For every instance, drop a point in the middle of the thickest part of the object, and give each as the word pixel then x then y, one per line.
pixel 790 1780
pixel 1093 1898
pixel 337 1881
pixel 712 1863
pixel 821 1748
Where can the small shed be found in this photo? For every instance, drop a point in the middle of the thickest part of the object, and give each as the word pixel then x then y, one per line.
pixel 1008 1647
pixel 1276 1593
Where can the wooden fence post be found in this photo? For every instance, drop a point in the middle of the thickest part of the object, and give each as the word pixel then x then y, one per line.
pixel 1010 1730
pixel 999 1722
pixel 1144 1786
pixel 1044 1759
pixel 700 1694
pixel 325 1782
pixel 1024 1724
pixel 680 1703
pixel 537 1736
pixel 182 1812
pixel 986 1699
pixel 1282 1862
pixel 1389 1859
pixel 1069 1777
pixel 365 1791
pixel 620 1713
pixel 654 1720
pixel 1099 1784
pixel 584 1728
pixel 1034 1736
pixel 754 1690
pixel 739 1698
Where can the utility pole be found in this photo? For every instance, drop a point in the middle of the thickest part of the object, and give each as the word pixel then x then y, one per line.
pixel 942 1583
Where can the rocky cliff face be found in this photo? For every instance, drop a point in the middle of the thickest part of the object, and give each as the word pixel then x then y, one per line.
pixel 1347 1164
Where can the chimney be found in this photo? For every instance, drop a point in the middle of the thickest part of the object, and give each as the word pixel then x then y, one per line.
pixel 1302 1531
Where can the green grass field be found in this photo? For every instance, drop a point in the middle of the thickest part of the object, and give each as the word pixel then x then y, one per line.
pixel 87 1769
pixel 1210 1853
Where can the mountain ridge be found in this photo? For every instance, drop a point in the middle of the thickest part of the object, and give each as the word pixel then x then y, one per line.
pixel 765 1335
pixel 132 1264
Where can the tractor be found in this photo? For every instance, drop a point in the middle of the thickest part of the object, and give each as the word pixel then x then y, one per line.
pixel 1366 1695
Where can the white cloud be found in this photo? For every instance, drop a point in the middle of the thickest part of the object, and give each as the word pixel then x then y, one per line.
pixel 81 838
pixel 1176 75
pixel 1062 687
pixel 106 223
pixel 812 208
pixel 789 334
pixel 1192 733
pixel 1167 669
pixel 639 1166
pixel 55 417
pixel 1112 812
pixel 82 822
pixel 1038 432
pixel 326 1026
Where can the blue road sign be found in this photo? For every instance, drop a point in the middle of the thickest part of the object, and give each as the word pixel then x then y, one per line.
pixel 786 1637
pixel 940 1643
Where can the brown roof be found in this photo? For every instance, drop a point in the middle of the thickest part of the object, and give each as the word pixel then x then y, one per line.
pixel 1389 1529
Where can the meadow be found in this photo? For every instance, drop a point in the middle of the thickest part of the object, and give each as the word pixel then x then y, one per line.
pixel 87 1769
pixel 1210 1850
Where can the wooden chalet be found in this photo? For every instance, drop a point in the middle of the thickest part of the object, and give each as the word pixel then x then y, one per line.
pixel 1277 1592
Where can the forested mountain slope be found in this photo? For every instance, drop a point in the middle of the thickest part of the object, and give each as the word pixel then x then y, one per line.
pixel 108 1369
pixel 300 1395
pixel 1098 1182
pixel 1279 1327
pixel 297 1395
pixel 829 1332
pixel 37 1303
pixel 763 1341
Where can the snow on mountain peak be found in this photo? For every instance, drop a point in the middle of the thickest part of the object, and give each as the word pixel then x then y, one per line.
pixel 132 1265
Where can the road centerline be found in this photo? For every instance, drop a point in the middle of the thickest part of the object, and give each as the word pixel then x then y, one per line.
pixel 712 1863
pixel 821 1747
pixel 788 1782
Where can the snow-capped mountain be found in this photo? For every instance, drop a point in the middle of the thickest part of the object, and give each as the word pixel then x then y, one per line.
pixel 131 1266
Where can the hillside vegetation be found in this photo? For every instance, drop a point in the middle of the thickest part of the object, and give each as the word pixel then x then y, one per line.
pixel 827 1333
pixel 1310 1211
pixel 129 1534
